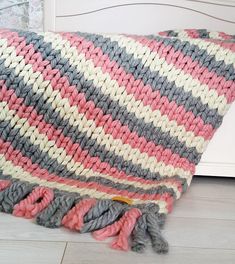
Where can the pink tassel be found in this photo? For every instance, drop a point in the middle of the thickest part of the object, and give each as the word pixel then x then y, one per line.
pixel 131 217
pixel 74 218
pixel 29 207
pixel 110 230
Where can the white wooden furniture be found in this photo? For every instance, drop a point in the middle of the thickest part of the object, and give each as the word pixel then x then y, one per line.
pixel 146 17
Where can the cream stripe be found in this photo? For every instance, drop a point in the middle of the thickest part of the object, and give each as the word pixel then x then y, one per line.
pixel 168 70
pixel 212 49
pixel 220 53
pixel 118 93
pixel 17 172
pixel 49 147
pixel 62 105
pixel 214 35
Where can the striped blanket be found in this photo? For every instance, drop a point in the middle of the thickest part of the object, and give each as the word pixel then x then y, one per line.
pixel 101 133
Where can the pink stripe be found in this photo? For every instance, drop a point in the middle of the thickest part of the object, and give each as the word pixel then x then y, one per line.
pixel 197 71
pixel 223 44
pixel 61 141
pixel 225 36
pixel 26 164
pixel 96 114
pixel 163 33
pixel 227 45
pixel 4 184
pixel 192 33
pixel 139 90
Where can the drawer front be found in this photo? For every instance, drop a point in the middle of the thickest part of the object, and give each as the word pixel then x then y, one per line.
pixel 138 16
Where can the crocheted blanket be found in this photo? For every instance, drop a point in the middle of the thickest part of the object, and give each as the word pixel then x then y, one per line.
pixel 101 132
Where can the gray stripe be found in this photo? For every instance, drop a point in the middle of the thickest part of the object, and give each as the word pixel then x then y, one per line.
pixel 157 82
pixel 110 107
pixel 171 33
pixel 53 117
pixel 203 33
pixel 23 144
pixel 197 54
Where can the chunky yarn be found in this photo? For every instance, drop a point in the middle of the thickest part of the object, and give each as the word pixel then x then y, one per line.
pixel 101 133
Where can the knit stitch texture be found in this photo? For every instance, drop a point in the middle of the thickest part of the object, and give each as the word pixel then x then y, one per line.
pixel 101 133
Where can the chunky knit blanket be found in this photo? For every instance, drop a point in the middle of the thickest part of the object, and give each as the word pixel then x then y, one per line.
pixel 101 132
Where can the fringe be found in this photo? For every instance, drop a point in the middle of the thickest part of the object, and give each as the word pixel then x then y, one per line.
pixel 132 226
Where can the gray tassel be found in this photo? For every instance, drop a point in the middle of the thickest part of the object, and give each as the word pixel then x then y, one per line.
pixel 12 195
pixel 139 235
pixel 159 244
pixel 115 210
pixel 98 209
pixel 52 215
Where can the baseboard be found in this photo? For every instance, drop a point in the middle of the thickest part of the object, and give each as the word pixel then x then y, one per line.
pixel 216 169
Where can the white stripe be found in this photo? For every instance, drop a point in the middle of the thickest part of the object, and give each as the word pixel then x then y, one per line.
pixel 118 93
pixel 183 80
pixel 54 152
pixel 78 120
pixel 214 35
pixel 16 172
pixel 220 53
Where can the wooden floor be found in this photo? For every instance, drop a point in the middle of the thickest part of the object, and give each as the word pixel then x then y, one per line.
pixel 201 229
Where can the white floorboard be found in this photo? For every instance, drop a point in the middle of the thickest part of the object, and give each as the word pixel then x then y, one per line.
pixel 28 252
pixel 88 253
pixel 204 207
